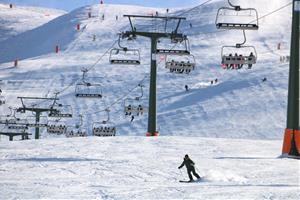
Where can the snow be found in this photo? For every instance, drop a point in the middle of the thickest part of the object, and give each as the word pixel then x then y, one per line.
pixel 228 106
pixel 145 168
pixel 232 129
pixel 20 19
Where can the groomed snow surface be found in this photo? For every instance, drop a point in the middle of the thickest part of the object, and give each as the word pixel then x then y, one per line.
pixel 145 168
pixel 233 130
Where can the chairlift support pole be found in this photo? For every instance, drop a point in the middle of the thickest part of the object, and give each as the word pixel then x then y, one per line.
pixel 291 143
pixel 37 111
pixel 154 37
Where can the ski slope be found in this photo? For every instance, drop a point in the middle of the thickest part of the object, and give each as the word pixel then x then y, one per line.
pixel 226 109
pixel 146 168
pixel 20 19
pixel 233 129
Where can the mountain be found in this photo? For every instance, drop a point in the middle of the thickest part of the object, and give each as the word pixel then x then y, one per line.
pixel 20 19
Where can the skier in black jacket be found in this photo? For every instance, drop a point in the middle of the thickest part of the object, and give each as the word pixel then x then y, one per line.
pixel 190 167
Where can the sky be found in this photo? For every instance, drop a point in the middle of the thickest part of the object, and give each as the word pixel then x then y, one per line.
pixel 69 5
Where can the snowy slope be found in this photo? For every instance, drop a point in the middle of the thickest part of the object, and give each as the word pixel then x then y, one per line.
pixel 239 106
pixel 20 19
pixel 145 168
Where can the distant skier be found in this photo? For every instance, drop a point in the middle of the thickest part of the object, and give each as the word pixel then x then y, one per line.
pixel 186 88
pixel 103 17
pixel 264 79
pixel 167 10
pixel 191 25
pixel 190 166
pixel 132 118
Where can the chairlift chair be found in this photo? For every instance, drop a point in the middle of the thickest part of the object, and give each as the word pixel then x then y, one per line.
pixel 56 127
pixel 104 128
pixel 17 124
pixel 134 107
pixel 86 89
pixel 61 111
pixel 173 51
pixel 180 64
pixel 124 55
pixel 233 22
pixel 238 56
pixel 77 131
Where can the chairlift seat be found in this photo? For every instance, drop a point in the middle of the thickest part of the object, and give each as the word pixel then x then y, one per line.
pixel 89 95
pixel 125 62
pixel 104 131
pixel 180 65
pixel 172 52
pixel 36 125
pixel 237 26
pixel 60 115
pixel 238 60
pixel 17 127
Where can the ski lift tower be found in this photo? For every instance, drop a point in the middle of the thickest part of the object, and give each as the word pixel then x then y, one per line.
pixel 37 111
pixel 291 144
pixel 155 28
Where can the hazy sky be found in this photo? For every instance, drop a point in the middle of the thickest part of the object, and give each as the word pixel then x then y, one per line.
pixel 72 4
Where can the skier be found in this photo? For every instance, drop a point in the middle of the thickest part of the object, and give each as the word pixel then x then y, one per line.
pixel 190 167
pixel 264 79
pixel 132 118
pixel 191 25
pixel 186 88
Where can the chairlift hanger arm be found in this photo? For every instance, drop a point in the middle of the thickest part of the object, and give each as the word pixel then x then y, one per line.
pixel 237 8
pixel 178 24
pixel 238 45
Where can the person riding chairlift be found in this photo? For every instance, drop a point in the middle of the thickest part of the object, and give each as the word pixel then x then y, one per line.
pixel 251 57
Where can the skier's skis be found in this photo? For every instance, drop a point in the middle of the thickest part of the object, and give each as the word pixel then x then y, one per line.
pixel 182 181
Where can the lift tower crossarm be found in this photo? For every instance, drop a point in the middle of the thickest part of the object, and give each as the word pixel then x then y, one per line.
pixel 37 111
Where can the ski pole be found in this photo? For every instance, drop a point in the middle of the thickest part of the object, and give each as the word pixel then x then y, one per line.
pixel 181 173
